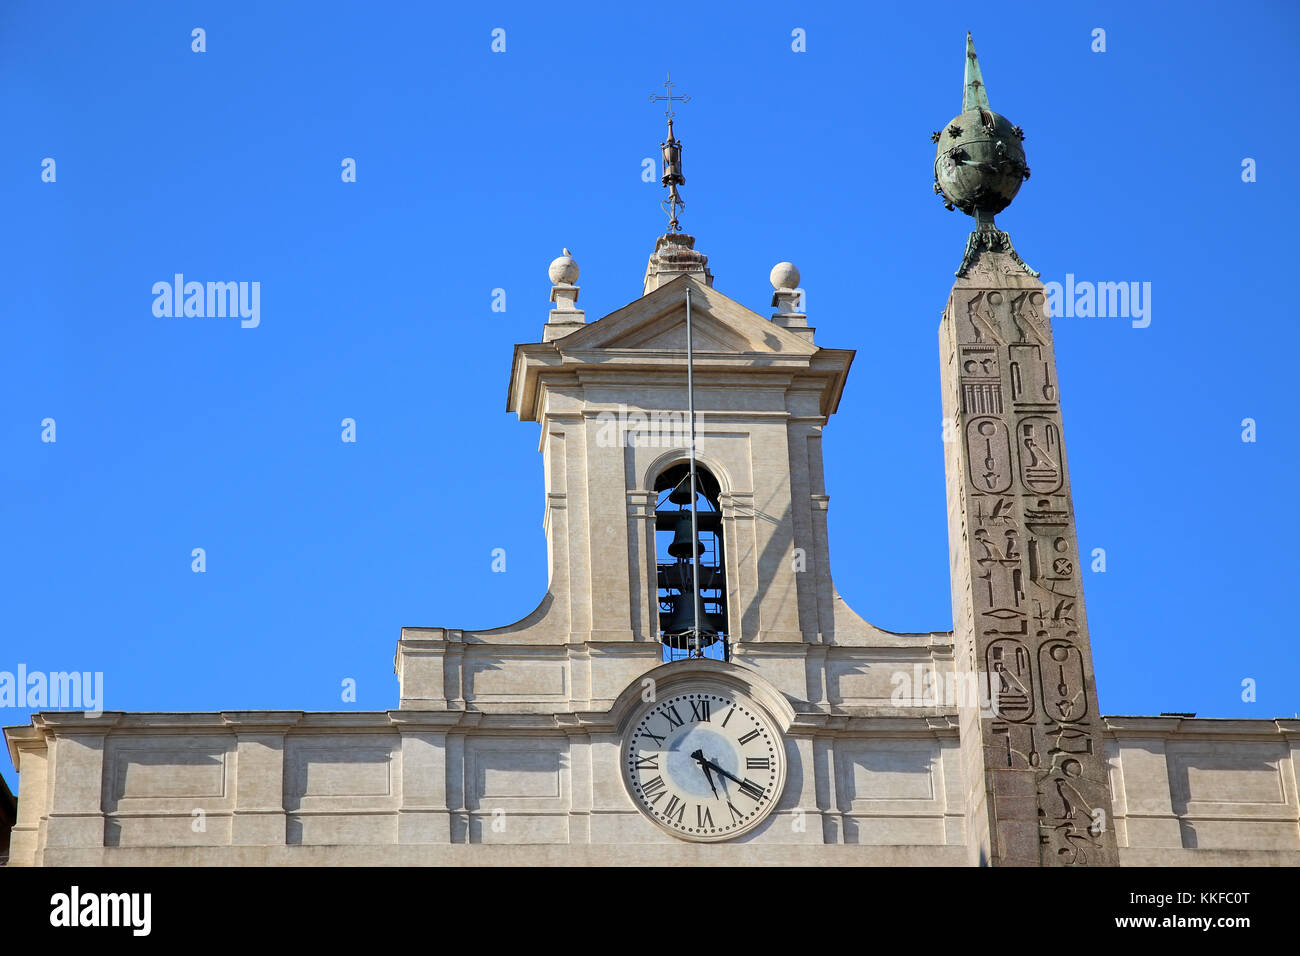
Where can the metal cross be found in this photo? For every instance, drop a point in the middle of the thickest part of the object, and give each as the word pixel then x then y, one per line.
pixel 668 88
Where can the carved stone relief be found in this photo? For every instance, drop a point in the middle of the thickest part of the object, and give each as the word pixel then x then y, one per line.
pixel 1018 551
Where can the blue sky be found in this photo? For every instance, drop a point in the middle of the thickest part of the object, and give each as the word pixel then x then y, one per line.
pixel 474 168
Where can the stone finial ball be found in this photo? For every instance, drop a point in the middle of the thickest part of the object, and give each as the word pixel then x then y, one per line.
pixel 784 276
pixel 563 271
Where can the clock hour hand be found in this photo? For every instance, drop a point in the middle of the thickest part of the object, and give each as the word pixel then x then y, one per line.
pixel 708 774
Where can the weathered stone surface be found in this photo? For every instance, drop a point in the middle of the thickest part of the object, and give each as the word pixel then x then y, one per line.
pixel 431 788
pixel 1018 609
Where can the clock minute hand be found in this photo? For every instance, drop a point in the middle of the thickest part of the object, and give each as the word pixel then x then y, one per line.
pixel 723 772
pixel 708 774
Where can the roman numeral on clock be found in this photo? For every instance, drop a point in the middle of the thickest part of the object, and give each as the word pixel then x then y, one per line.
pixel 736 815
pixel 700 713
pixel 649 763
pixel 674 718
pixel 752 763
pixel 748 737
pixel 676 808
pixel 654 789
pixel 752 790
pixel 703 816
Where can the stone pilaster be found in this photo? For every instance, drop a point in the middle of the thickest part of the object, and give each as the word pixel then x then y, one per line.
pixel 76 780
pixel 1037 786
pixel 423 817
pixel 259 816
pixel 642 570
pixel 33 792
pixel 582 774
pixel 429 664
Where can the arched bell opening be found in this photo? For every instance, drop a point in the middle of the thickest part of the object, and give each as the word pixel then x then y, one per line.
pixel 682 636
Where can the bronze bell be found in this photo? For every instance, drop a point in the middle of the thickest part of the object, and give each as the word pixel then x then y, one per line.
pixel 682 537
pixel 681 493
pixel 682 617
pixel 681 620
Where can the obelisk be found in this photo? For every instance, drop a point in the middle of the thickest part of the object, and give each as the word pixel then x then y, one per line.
pixel 1035 771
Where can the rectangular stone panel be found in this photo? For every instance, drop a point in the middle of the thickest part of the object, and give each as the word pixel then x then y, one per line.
pixel 857 678
pixel 512 679
pixel 365 773
pixel 341 829
pixel 516 773
pixel 1243 775
pixel 351 770
pixel 517 827
pixel 1211 834
pixel 871 771
pixel 165 768
pixel 884 831
pixel 167 830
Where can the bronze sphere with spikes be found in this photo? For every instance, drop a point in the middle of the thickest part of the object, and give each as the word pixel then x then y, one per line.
pixel 979 161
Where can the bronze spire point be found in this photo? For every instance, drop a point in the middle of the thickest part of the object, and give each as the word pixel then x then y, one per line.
pixel 979 164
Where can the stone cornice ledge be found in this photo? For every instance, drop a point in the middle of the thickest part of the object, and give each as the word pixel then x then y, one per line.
pixel 267 721
pixel 1133 726
pixel 415 720
pixel 21 737
pixel 71 723
pixel 77 721
pixel 921 725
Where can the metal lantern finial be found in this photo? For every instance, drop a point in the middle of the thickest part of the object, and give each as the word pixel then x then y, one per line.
pixel 672 158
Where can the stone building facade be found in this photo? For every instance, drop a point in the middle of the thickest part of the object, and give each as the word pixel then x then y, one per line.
pixel 814 737
pixel 505 744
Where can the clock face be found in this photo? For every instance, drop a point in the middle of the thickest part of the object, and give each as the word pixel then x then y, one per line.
pixel 704 764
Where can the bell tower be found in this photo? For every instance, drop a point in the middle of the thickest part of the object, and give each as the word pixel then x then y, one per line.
pixel 612 399
pixel 685 514
pixel 1036 782
pixel 682 416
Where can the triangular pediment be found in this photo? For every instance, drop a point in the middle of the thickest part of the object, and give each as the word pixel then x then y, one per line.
pixel 657 323
pixel 668 333
pixel 649 335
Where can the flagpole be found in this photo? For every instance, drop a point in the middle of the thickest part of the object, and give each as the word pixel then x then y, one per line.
pixel 695 518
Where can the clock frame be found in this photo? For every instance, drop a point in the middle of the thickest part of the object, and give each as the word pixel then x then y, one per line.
pixel 703 762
